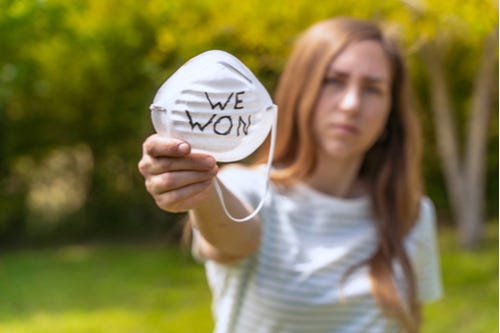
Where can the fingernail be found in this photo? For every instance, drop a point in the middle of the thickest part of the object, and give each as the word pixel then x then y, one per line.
pixel 210 162
pixel 183 148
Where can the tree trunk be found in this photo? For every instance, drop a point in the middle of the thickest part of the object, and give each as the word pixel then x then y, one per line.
pixel 475 152
pixel 465 178
pixel 444 126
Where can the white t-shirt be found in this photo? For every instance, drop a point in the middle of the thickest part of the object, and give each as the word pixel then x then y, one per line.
pixel 293 284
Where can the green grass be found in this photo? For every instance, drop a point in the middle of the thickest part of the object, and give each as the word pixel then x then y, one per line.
pixel 106 289
pixel 470 303
pixel 149 289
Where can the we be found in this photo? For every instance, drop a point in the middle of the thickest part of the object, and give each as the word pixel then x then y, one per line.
pixel 223 124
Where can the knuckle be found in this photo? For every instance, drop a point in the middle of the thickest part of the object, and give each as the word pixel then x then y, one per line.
pixel 142 166
pixel 146 146
pixel 150 186
pixel 150 148
pixel 160 202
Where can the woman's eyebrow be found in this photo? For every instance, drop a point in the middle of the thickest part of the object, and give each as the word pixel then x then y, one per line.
pixel 374 79
pixel 379 80
pixel 336 73
pixel 366 78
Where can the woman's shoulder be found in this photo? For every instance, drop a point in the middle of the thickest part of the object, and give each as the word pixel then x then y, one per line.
pixel 427 210
pixel 425 224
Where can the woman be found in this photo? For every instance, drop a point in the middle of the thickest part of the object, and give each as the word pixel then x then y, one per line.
pixel 346 239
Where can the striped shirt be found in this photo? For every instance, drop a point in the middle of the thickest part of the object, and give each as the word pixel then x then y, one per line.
pixel 294 283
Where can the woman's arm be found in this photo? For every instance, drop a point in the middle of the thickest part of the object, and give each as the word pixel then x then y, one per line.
pixel 179 180
pixel 224 240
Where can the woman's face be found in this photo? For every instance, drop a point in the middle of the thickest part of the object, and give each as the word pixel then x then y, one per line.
pixel 354 101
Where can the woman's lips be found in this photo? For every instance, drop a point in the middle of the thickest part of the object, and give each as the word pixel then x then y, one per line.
pixel 344 128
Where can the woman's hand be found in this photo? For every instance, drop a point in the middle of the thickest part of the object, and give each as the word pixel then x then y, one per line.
pixel 177 179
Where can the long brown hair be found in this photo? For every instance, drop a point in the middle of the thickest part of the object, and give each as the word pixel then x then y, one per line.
pixel 390 169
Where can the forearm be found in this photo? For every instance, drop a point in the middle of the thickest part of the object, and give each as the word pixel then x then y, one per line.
pixel 224 239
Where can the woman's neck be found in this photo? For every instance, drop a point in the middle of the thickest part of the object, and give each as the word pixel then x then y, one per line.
pixel 338 178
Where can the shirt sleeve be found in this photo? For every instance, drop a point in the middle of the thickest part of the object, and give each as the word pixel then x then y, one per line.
pixel 424 253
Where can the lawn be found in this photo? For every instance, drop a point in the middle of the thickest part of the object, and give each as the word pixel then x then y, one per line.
pixel 103 289
pixel 149 289
pixel 470 281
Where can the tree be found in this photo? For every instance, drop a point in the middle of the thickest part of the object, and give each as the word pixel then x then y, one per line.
pixel 77 77
pixel 463 168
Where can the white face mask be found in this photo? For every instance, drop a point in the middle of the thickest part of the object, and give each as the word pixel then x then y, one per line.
pixel 216 103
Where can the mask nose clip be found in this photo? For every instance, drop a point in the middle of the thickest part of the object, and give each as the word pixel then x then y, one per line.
pixel 157 108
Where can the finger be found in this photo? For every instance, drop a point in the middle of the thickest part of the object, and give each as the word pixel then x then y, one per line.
pixel 171 181
pixel 158 146
pixel 183 199
pixel 192 162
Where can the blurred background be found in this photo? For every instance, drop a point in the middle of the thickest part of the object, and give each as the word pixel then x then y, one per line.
pixel 76 80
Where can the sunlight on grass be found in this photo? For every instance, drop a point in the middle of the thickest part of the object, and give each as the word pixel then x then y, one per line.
pixel 470 302
pixel 96 289
pixel 153 289
pixel 111 321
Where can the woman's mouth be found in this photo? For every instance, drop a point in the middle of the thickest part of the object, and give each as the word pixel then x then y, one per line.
pixel 344 128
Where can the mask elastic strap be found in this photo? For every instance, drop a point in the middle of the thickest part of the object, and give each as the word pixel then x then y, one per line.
pixel 268 174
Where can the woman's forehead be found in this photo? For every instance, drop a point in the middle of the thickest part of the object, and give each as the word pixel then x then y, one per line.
pixel 364 58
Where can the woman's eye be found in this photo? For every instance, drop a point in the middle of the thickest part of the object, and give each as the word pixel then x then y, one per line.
pixel 332 81
pixel 373 90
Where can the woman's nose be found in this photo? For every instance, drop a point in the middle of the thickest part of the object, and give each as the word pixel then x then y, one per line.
pixel 351 99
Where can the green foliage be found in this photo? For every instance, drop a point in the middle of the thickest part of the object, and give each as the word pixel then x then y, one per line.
pixel 78 76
